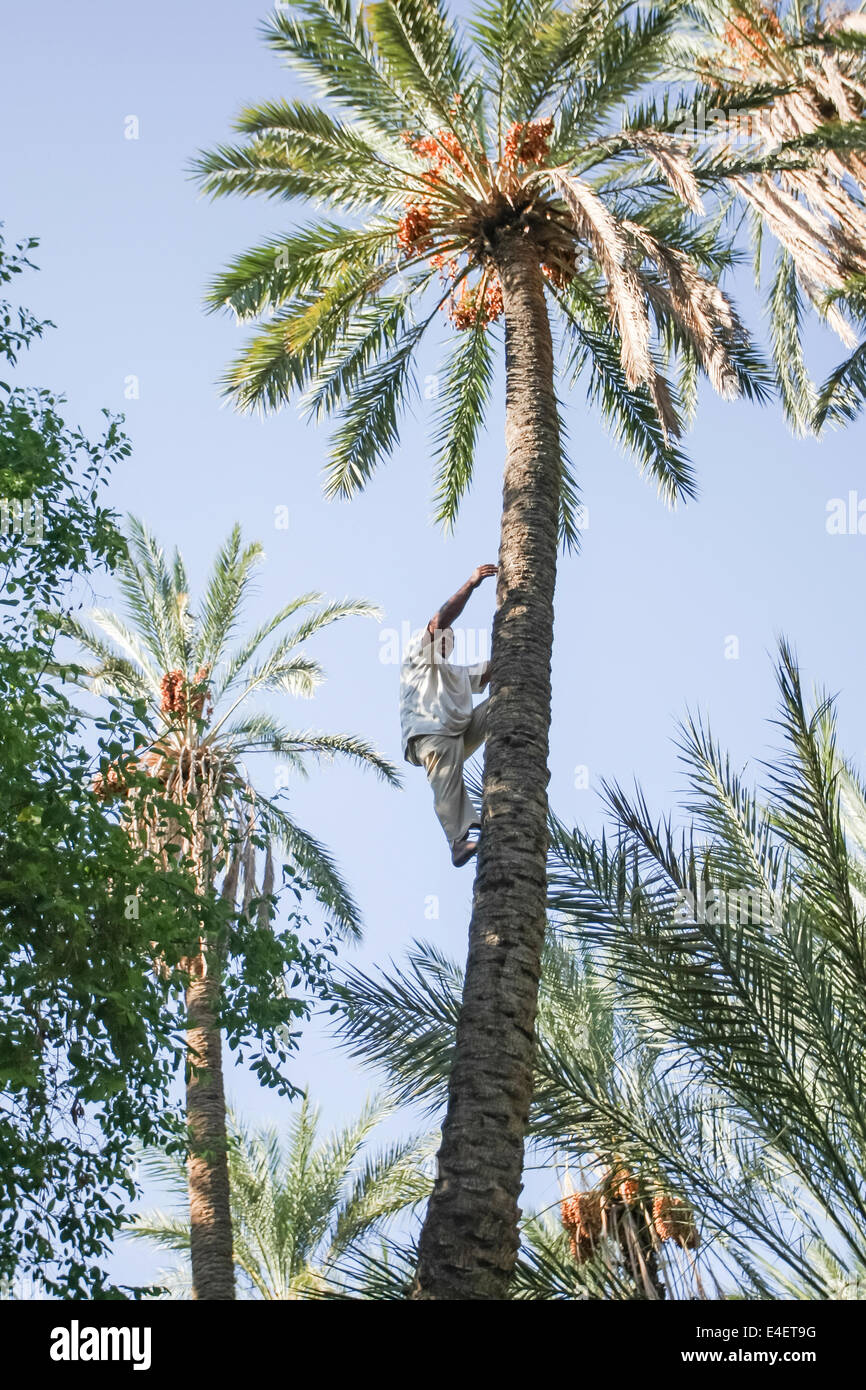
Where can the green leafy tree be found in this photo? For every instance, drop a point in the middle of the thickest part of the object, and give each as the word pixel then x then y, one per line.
pixel 88 1034
pixel 300 1206
pixel 487 170
pixel 194 692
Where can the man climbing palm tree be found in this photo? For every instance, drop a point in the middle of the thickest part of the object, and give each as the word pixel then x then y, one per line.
pixel 439 726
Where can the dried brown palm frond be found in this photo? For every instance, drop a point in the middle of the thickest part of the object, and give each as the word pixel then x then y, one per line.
pixel 597 224
pixel 699 307
pixel 626 291
pixel 672 162
pixel 817 211
pixel 676 287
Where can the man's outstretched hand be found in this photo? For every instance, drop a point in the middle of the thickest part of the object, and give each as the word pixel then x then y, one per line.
pixel 455 605
pixel 481 573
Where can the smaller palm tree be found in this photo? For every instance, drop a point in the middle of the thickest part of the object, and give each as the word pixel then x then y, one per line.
pixel 197 725
pixel 299 1207
pixel 197 693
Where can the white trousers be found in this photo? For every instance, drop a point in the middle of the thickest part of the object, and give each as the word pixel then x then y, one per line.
pixel 443 756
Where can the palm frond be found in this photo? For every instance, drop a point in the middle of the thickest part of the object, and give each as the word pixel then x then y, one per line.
pixel 331 44
pixel 160 609
pixel 405 1022
pixel 372 330
pixel 113 672
pixel 320 870
pixel 463 396
pixel 295 150
pixel 241 658
pixel 840 398
pixel 269 276
pixel 421 48
pixel 624 55
pixel 368 429
pixel 630 414
pixel 786 324
pixel 389 1182
pixel 222 605
pixel 130 644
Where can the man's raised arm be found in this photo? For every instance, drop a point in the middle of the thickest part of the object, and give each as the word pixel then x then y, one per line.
pixel 454 606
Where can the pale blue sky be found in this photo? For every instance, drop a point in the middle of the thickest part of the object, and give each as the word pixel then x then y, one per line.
pixel 642 616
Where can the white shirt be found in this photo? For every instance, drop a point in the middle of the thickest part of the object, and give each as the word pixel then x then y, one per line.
pixel 435 697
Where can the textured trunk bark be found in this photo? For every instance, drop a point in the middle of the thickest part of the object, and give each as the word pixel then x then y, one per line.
pixel 470 1239
pixel 213 1272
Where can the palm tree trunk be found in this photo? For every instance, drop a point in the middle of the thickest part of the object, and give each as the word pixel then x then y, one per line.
pixel 211 1256
pixel 469 1241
